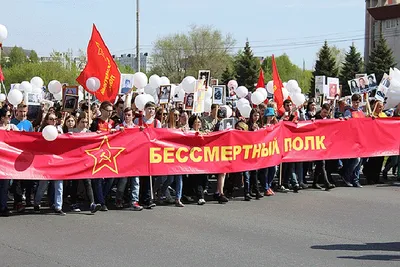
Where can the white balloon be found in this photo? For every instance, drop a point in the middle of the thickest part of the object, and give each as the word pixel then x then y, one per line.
pixel 284 84
pixel 25 86
pixel 245 111
pixel 148 89
pixel 140 80
pixel 291 84
pixel 140 101
pixel 257 98
pixel 296 90
pixel 2 97
pixel 37 90
pixel 154 81
pixel 164 80
pixel 54 87
pixel 50 133
pixel 207 105
pixel 93 84
pixel 228 109
pixel 395 74
pixel 149 98
pixel 3 33
pixel 241 91
pixel 263 92
pixel 298 99
pixel 173 89
pixel 188 84
pixel 243 102
pixel 15 97
pixel 285 93
pixel 37 82
pixel 181 95
pixel 81 89
pixel 270 87
pixel 58 96
pixel 232 85
pixel 208 93
pixel 16 86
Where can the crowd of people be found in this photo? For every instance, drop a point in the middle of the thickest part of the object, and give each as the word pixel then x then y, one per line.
pixel 138 193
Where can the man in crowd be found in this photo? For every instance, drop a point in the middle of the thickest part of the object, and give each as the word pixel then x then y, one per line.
pixel 147 121
pixel 99 125
pixel 212 120
pixel 23 124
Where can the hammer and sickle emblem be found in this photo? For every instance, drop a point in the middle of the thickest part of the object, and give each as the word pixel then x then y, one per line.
pixel 105 155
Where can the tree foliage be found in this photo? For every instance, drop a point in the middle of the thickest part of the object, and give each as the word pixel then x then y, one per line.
pixel 287 71
pixel 351 66
pixel 182 54
pixel 247 67
pixel 60 67
pixel 324 66
pixel 381 59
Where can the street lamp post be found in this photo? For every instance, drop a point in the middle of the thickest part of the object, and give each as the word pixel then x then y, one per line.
pixel 137 36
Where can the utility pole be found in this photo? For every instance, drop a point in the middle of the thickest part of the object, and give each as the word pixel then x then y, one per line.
pixel 137 36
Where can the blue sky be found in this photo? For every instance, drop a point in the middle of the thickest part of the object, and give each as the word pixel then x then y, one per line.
pixel 295 27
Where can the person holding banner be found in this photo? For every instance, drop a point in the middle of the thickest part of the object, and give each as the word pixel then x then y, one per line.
pixel 147 121
pixel 134 181
pixel 99 125
pixel 5 116
pixel 50 119
pixel 23 124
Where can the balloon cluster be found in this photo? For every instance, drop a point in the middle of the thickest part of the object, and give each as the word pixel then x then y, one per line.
pixel 15 96
pixel 295 93
pixel 393 92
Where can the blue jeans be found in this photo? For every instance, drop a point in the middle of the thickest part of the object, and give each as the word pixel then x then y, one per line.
pixel 135 189
pixel 58 193
pixel 349 166
pixel 4 185
pixel 168 180
pixel 97 185
pixel 289 173
pixel 298 169
pixel 356 173
pixel 269 177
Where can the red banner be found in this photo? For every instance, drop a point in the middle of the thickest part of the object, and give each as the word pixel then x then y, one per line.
pixel 165 152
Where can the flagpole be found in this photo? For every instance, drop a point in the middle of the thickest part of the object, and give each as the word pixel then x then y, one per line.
pixel 137 36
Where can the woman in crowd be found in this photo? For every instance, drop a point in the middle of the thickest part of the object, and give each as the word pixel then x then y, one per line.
pixel 69 124
pixel 82 127
pixel 5 125
pixel 269 120
pixel 251 183
pixel 173 120
pixel 134 181
pixel 196 182
pixel 50 119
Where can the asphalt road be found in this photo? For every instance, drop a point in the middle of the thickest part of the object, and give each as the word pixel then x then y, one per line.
pixel 345 227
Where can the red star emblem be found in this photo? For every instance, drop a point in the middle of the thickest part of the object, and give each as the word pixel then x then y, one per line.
pixel 105 156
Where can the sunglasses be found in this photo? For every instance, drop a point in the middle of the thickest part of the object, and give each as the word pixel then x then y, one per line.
pixel 51 119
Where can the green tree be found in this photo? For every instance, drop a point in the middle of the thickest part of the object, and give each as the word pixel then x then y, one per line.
pixel 125 68
pixel 16 56
pixel 287 71
pixel 381 59
pixel 324 66
pixel 339 56
pixel 247 68
pixel 228 74
pixel 352 65
pixel 46 70
pixel 33 57
pixel 180 55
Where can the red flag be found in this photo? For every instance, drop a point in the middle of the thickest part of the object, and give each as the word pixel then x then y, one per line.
pixel 101 65
pixel 261 82
pixel 1 75
pixel 278 85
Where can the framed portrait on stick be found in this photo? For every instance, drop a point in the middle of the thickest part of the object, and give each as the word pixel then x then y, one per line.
pixel 205 76
pixel 70 98
pixel 218 93
pixel 164 95
pixel 189 100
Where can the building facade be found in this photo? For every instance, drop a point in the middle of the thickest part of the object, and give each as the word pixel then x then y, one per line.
pixel 131 61
pixel 382 17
